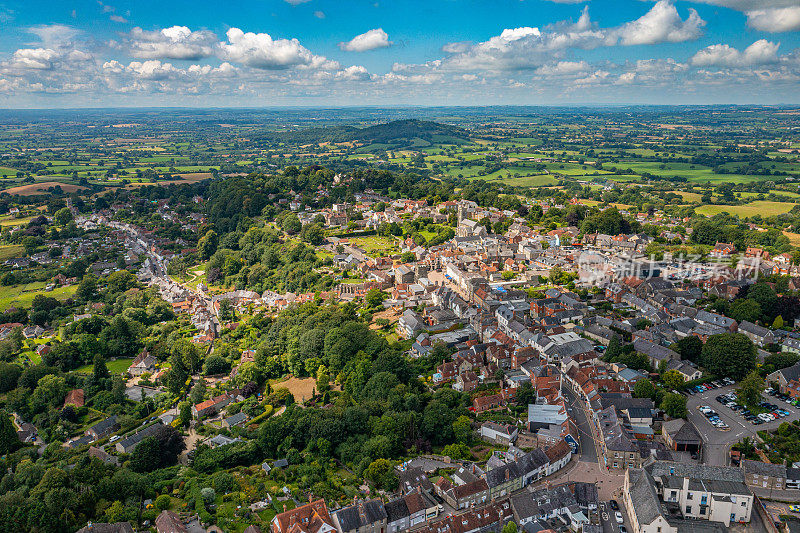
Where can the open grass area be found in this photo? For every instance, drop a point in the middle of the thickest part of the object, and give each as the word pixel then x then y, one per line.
pixel 529 181
pixel 376 244
pixel 22 295
pixel 117 366
pixel 11 250
pixel 761 207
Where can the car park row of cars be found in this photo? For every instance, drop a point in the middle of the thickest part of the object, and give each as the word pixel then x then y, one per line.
pixel 773 411
pixel 697 389
pixel 713 417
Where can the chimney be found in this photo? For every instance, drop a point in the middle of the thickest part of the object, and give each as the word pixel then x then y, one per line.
pixel 284 507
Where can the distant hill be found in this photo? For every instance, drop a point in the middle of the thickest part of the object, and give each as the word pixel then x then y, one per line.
pixel 409 133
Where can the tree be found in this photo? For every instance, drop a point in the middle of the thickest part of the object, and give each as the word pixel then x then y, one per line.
pixel 764 295
pixel 49 392
pixel 644 388
pixel 185 410
pixel 198 391
pixel 8 435
pixel 672 379
pixel 63 216
pixel 689 348
pixel 216 364
pixel 100 370
pixel 381 473
pixel 462 428
pixel 511 527
pixel 208 244
pixel 745 309
pixel 226 310
pixel 375 297
pixel 750 389
pixel 163 502
pixel 87 288
pixel 674 404
pixel 778 322
pixel 729 354
pixel 120 281
pixel 614 349
pixel 146 455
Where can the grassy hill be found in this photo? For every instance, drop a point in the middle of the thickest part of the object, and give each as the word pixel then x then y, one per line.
pixel 411 133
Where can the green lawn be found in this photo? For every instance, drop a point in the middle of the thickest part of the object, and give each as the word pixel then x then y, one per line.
pixel 117 366
pixel 761 207
pixel 376 244
pixel 22 295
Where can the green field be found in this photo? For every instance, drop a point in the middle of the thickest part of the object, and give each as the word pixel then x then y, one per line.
pixel 761 207
pixel 376 244
pixel 116 366
pixel 11 250
pixel 22 295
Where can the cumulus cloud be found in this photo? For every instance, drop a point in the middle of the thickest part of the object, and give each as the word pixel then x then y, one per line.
pixel 354 73
pixel 760 52
pixel 775 20
pixel 773 16
pixel 530 47
pixel 662 23
pixel 563 68
pixel 319 14
pixel 175 42
pixel 297 2
pixel 370 40
pixel 260 50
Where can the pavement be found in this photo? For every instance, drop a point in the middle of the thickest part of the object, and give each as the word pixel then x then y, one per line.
pixel 717 443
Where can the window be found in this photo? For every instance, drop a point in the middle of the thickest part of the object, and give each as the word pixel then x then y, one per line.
pixel 689 495
pixel 744 504
pixel 688 509
pixel 733 517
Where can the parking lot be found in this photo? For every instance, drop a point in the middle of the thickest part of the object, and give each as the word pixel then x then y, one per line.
pixel 717 442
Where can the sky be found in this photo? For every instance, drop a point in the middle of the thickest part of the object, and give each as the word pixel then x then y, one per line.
pixel 264 53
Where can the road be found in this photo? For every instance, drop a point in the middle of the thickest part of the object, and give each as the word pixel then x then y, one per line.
pixel 717 443
pixel 577 411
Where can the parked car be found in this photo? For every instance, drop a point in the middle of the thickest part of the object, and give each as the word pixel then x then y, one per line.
pixel 618 517
pixel 614 505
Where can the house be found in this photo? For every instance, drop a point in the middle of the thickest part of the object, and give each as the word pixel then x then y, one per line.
pixel 696 492
pixel 129 443
pixel 688 371
pixel 75 397
pixel 504 434
pixel 764 475
pixel 312 517
pixel 169 522
pixel 760 336
pixel 655 352
pixel 211 406
pixel 397 516
pixel 103 428
pixel 784 376
pixel 468 495
pixel 144 363
pixel 235 420
pixel 361 517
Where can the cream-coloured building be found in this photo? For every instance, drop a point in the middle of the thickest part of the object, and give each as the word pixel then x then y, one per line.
pixel 656 495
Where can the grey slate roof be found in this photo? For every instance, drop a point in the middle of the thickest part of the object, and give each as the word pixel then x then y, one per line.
pixel 360 515
pixel 396 510
pixel 643 492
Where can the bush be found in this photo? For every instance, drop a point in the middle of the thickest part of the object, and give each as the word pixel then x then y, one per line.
pixel 163 502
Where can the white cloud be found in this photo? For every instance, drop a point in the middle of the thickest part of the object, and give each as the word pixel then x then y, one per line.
pixel 765 15
pixel 661 24
pixel 297 2
pixel 53 35
pixel 117 18
pixel 260 50
pixel 354 73
pixel 319 14
pixel 175 42
pixel 760 52
pixel 376 38
pixel 775 20
pixel 563 68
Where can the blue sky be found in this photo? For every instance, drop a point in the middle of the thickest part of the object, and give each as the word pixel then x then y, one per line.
pixel 393 52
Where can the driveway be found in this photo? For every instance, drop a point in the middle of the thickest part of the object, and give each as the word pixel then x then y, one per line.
pixel 717 443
